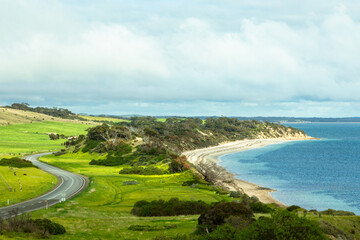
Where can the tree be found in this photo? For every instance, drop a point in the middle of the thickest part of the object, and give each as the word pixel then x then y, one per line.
pixel 219 213
pixel 179 164
pixel 282 225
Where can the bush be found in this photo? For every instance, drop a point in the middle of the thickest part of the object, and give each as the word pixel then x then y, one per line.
pixel 16 162
pixel 225 232
pixel 236 194
pixel 173 207
pixel 54 136
pixel 49 226
pixel 151 228
pixel 142 171
pixel 133 182
pixel 59 153
pixel 218 214
pixel 90 144
pixel 177 237
pixel 337 212
pixel 110 161
pixel 179 164
pixel 282 225
pixel 259 207
pixel 24 224
pixel 292 208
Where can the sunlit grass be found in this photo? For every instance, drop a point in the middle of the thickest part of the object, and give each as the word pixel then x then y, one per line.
pixel 32 137
pixel 34 182
pixel 103 210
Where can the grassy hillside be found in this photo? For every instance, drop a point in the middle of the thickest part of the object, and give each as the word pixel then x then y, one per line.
pixel 15 116
pixel 103 210
pixel 32 137
pixel 28 183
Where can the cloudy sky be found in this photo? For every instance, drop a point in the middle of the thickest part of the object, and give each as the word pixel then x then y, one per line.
pixel 184 57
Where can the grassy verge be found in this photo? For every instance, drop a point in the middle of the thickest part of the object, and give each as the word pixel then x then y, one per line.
pixel 32 137
pixel 34 182
pixel 103 210
pixel 24 139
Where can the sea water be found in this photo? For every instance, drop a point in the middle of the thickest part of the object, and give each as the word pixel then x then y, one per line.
pixel 314 174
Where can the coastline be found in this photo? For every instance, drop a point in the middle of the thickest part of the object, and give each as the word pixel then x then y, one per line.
pixel 205 161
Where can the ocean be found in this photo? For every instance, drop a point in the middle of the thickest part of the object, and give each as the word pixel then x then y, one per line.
pixel 314 174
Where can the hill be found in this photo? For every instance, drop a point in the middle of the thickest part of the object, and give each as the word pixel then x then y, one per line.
pixel 54 111
pixel 145 140
pixel 15 116
pixel 132 163
pixel 138 164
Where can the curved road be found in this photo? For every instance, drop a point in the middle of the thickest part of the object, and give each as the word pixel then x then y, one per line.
pixel 69 185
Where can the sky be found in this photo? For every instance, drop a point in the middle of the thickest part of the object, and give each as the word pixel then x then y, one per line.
pixel 184 58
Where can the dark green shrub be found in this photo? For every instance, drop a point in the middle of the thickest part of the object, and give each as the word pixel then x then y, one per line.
pixel 337 212
pixel 259 207
pixel 173 207
pixel 142 171
pixel 49 226
pixel 16 162
pixel 282 225
pixel 179 164
pixel 59 153
pixel 292 208
pixel 177 237
pixel 151 228
pixel 54 136
pixel 24 224
pixel 90 144
pixel 224 232
pixel 236 194
pixel 130 182
pixel 110 161
pixel 219 212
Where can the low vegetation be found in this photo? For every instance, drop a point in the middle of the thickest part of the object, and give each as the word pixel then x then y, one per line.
pixel 173 207
pixel 333 212
pixel 143 171
pixel 16 162
pixel 281 225
pixel 151 228
pixel 23 224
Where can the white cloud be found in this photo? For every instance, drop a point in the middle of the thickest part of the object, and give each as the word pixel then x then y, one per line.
pixel 230 52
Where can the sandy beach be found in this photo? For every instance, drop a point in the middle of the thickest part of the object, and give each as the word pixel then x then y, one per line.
pixel 205 160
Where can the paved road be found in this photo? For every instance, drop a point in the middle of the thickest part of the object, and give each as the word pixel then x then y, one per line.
pixel 68 186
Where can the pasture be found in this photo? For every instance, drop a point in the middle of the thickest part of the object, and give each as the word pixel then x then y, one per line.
pixel 32 137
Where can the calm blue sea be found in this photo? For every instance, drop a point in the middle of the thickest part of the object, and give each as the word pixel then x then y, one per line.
pixel 315 174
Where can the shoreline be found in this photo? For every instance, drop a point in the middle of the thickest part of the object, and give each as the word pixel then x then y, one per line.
pixel 206 161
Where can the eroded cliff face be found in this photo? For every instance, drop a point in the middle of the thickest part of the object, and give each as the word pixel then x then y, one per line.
pixel 289 133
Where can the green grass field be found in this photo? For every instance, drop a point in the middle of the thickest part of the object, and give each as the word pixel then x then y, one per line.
pixel 31 137
pixel 103 210
pixel 34 182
